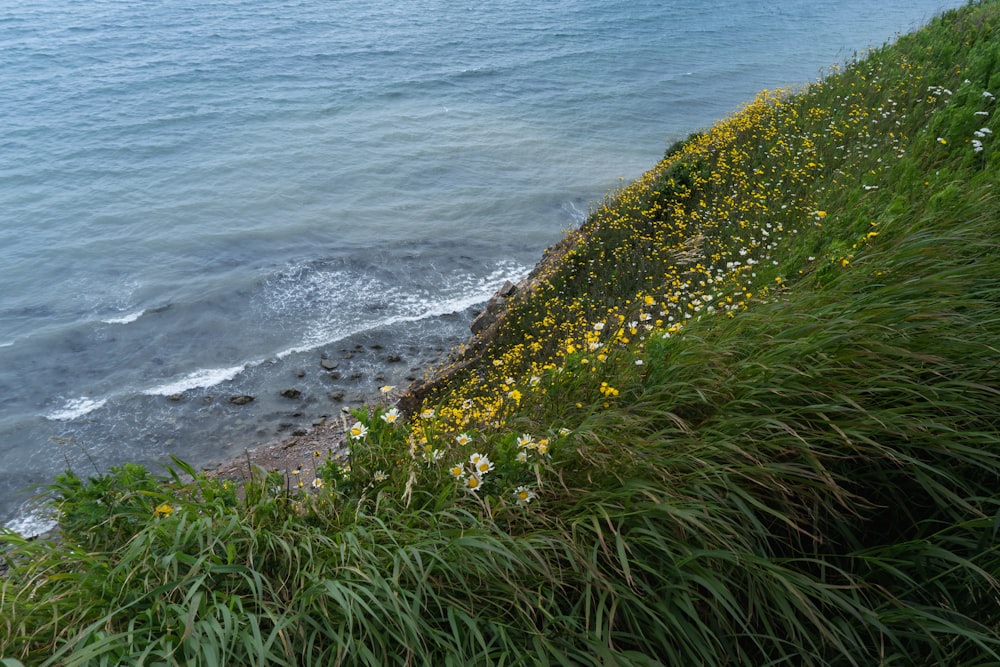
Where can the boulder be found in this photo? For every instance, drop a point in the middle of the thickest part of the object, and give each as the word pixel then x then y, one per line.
pixel 494 307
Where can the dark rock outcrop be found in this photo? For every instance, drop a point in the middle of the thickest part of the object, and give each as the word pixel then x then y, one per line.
pixel 494 308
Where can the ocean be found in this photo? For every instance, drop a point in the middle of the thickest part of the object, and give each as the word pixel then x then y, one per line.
pixel 301 201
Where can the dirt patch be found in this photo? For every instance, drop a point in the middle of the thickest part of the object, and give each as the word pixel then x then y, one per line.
pixel 296 457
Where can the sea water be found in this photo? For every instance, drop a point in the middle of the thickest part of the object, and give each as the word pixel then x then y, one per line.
pixel 204 200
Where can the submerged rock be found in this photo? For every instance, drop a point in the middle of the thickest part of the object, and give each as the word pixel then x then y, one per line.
pixel 242 399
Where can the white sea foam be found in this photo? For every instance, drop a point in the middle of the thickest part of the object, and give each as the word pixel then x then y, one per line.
pixel 577 213
pixel 205 377
pixel 76 408
pixel 414 307
pixel 32 523
pixel 125 319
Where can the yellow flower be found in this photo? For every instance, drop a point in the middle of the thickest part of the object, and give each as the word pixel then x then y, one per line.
pixel 163 510
pixel 358 431
pixel 427 414
pixel 473 483
pixel 456 471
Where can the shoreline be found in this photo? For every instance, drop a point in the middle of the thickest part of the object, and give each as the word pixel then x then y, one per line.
pixel 350 378
pixel 277 421
pixel 297 456
pixel 301 452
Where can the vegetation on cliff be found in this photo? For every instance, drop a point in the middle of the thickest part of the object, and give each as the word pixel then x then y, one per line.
pixel 748 413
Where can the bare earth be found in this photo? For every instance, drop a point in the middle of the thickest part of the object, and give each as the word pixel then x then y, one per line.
pixel 296 457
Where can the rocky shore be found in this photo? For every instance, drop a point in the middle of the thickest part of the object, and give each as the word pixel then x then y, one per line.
pixel 298 454
pixel 317 407
pixel 290 415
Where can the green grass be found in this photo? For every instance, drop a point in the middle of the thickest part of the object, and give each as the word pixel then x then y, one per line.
pixel 748 414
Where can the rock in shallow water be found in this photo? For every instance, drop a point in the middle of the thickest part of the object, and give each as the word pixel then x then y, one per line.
pixel 242 399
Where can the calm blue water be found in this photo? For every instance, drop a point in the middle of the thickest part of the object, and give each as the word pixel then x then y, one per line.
pixel 204 199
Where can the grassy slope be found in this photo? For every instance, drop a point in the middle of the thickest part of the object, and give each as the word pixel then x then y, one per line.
pixel 747 414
